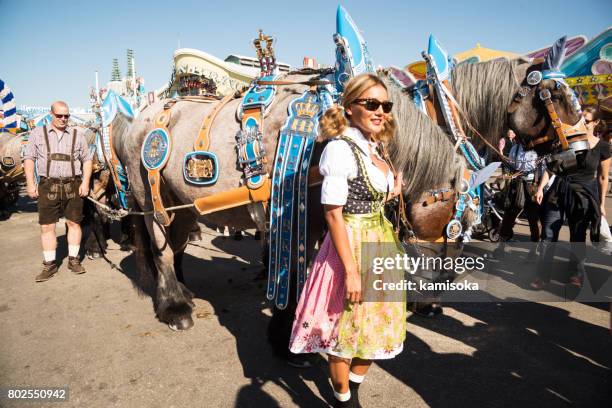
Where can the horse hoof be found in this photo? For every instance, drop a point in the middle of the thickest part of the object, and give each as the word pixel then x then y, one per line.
pixel 180 324
pixel 195 236
pixel 93 255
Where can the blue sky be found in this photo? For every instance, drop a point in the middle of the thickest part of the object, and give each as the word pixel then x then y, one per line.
pixel 52 48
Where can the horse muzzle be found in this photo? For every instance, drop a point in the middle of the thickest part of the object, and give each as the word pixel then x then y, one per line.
pixel 568 161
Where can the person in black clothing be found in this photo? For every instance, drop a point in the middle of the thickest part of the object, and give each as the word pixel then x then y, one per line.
pixel 524 170
pixel 579 198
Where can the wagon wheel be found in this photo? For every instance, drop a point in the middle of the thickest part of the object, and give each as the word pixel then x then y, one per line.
pixel 494 234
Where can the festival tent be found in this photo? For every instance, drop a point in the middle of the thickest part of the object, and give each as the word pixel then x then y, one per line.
pixel 481 54
pixel 471 56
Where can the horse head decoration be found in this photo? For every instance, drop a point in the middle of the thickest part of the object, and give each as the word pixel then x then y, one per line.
pixel 546 115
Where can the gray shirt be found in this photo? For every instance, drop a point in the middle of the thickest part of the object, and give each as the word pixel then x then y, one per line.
pixel 36 149
pixel 526 161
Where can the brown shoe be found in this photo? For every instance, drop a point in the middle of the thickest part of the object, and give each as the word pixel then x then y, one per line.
pixel 538 284
pixel 576 281
pixel 74 264
pixel 49 269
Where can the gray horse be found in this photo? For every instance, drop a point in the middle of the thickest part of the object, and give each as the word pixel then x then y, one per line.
pixel 161 249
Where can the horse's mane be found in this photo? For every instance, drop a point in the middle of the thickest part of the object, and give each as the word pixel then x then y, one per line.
pixel 484 91
pixel 421 150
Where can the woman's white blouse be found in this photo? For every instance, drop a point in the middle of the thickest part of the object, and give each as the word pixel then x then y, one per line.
pixel 337 166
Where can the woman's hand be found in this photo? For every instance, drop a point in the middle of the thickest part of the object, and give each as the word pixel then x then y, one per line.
pixel 337 229
pixel 539 196
pixel 397 188
pixel 603 210
pixel 352 281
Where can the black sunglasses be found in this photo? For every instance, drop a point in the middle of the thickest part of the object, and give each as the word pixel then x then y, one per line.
pixel 373 104
pixel 61 116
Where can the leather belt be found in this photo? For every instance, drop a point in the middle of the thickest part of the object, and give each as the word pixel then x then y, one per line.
pixel 233 198
pixel 60 180
pixel 60 156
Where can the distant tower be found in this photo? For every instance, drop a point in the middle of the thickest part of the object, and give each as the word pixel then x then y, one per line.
pixel 115 73
pixel 130 63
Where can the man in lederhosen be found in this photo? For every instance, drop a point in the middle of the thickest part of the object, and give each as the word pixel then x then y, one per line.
pixel 63 161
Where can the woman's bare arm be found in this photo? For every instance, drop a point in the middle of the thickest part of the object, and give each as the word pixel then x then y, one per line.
pixel 543 182
pixel 604 168
pixel 339 236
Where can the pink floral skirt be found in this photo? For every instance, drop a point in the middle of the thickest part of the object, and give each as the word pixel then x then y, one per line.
pixel 326 322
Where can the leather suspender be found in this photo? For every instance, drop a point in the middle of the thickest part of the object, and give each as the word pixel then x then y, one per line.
pixel 59 156
pixel 48 150
pixel 74 134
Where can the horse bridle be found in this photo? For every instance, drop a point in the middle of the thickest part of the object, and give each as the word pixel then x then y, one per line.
pixel 572 137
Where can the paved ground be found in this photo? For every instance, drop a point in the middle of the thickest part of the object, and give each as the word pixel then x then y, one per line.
pixel 97 334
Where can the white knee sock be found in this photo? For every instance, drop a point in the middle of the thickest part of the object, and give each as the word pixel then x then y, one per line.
pixel 73 250
pixel 343 397
pixel 604 231
pixel 49 255
pixel 355 377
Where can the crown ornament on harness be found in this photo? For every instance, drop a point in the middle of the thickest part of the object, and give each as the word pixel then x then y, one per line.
pixel 265 53
pixel 307 109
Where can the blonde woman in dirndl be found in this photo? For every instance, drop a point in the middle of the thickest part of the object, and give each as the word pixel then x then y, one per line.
pixel 339 312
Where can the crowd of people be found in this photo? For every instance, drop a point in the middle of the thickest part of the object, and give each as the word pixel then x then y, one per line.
pixel 549 201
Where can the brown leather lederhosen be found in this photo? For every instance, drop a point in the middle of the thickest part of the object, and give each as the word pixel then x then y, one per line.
pixel 59 196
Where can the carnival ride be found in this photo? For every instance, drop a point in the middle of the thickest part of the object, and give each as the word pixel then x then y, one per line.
pixel 197 73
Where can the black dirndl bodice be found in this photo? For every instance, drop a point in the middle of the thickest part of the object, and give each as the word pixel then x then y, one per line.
pixel 362 197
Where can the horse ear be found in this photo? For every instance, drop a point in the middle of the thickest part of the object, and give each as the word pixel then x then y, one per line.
pixel 554 56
